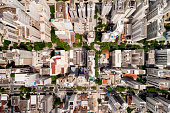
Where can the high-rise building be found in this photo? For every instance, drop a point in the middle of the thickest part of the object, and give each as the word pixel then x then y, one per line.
pixel 82 9
pixel 116 103
pixel 155 10
pixel 167 8
pixel 106 7
pixel 91 62
pixel 78 56
pixel 159 82
pixel 130 7
pixel 155 30
pixel 13 4
pixel 133 71
pixel 162 73
pixel 116 58
pixel 132 58
pixel 141 104
pixel 139 30
pixel 118 11
pixel 47 103
pixel 162 57
pixel 134 84
pixel 158 104
pixel 72 103
pixel 90 10
pixel 140 11
pixel 154 105
pixel 73 9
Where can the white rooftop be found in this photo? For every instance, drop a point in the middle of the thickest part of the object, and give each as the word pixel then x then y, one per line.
pixel 33 99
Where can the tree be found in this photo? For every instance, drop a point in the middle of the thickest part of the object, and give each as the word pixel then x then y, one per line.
pixel 129 110
pixel 29 48
pixel 57 101
pixel 94 88
pixel 6 44
pixel 12 75
pixel 25 89
pixel 98 81
pixel 99 101
pixel 15 45
pixel 49 44
pixel 53 79
pixel 51 88
pixel 79 88
pixel 2 90
pixel 52 10
pixel 52 53
pixel 53 37
pixel 28 95
pixel 39 46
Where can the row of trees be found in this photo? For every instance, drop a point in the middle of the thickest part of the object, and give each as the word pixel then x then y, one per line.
pixel 30 46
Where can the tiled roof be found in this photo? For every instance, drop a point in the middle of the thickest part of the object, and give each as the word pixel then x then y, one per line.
pixel 106 53
pixel 53 66
pixel 104 81
pixel 134 76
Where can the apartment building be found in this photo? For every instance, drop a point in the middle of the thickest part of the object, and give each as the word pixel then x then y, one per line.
pixel 133 71
pixel 158 104
pixel 46 104
pixel 116 103
pixel 6 57
pixel 155 30
pixel 45 27
pixel 130 7
pixel 159 82
pixel 41 58
pixel 41 103
pixel 141 104
pixel 73 9
pixel 82 9
pixel 140 12
pixel 20 69
pixel 72 103
pixel 112 75
pixel 91 62
pixel 13 3
pixel 67 81
pixel 132 57
pixel 4 103
pixel 118 11
pixel 109 37
pixel 90 10
pixel 167 7
pixel 106 7
pixel 134 84
pixel 155 10
pixel 91 35
pixel 116 58
pixel 78 56
pixel 24 26
pixel 150 57
pixel 162 57
pixel 162 73
pixel 139 30
pixel 165 102
pixel 104 58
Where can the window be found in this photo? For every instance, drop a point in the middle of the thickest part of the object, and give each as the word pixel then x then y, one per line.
pixel 71 103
